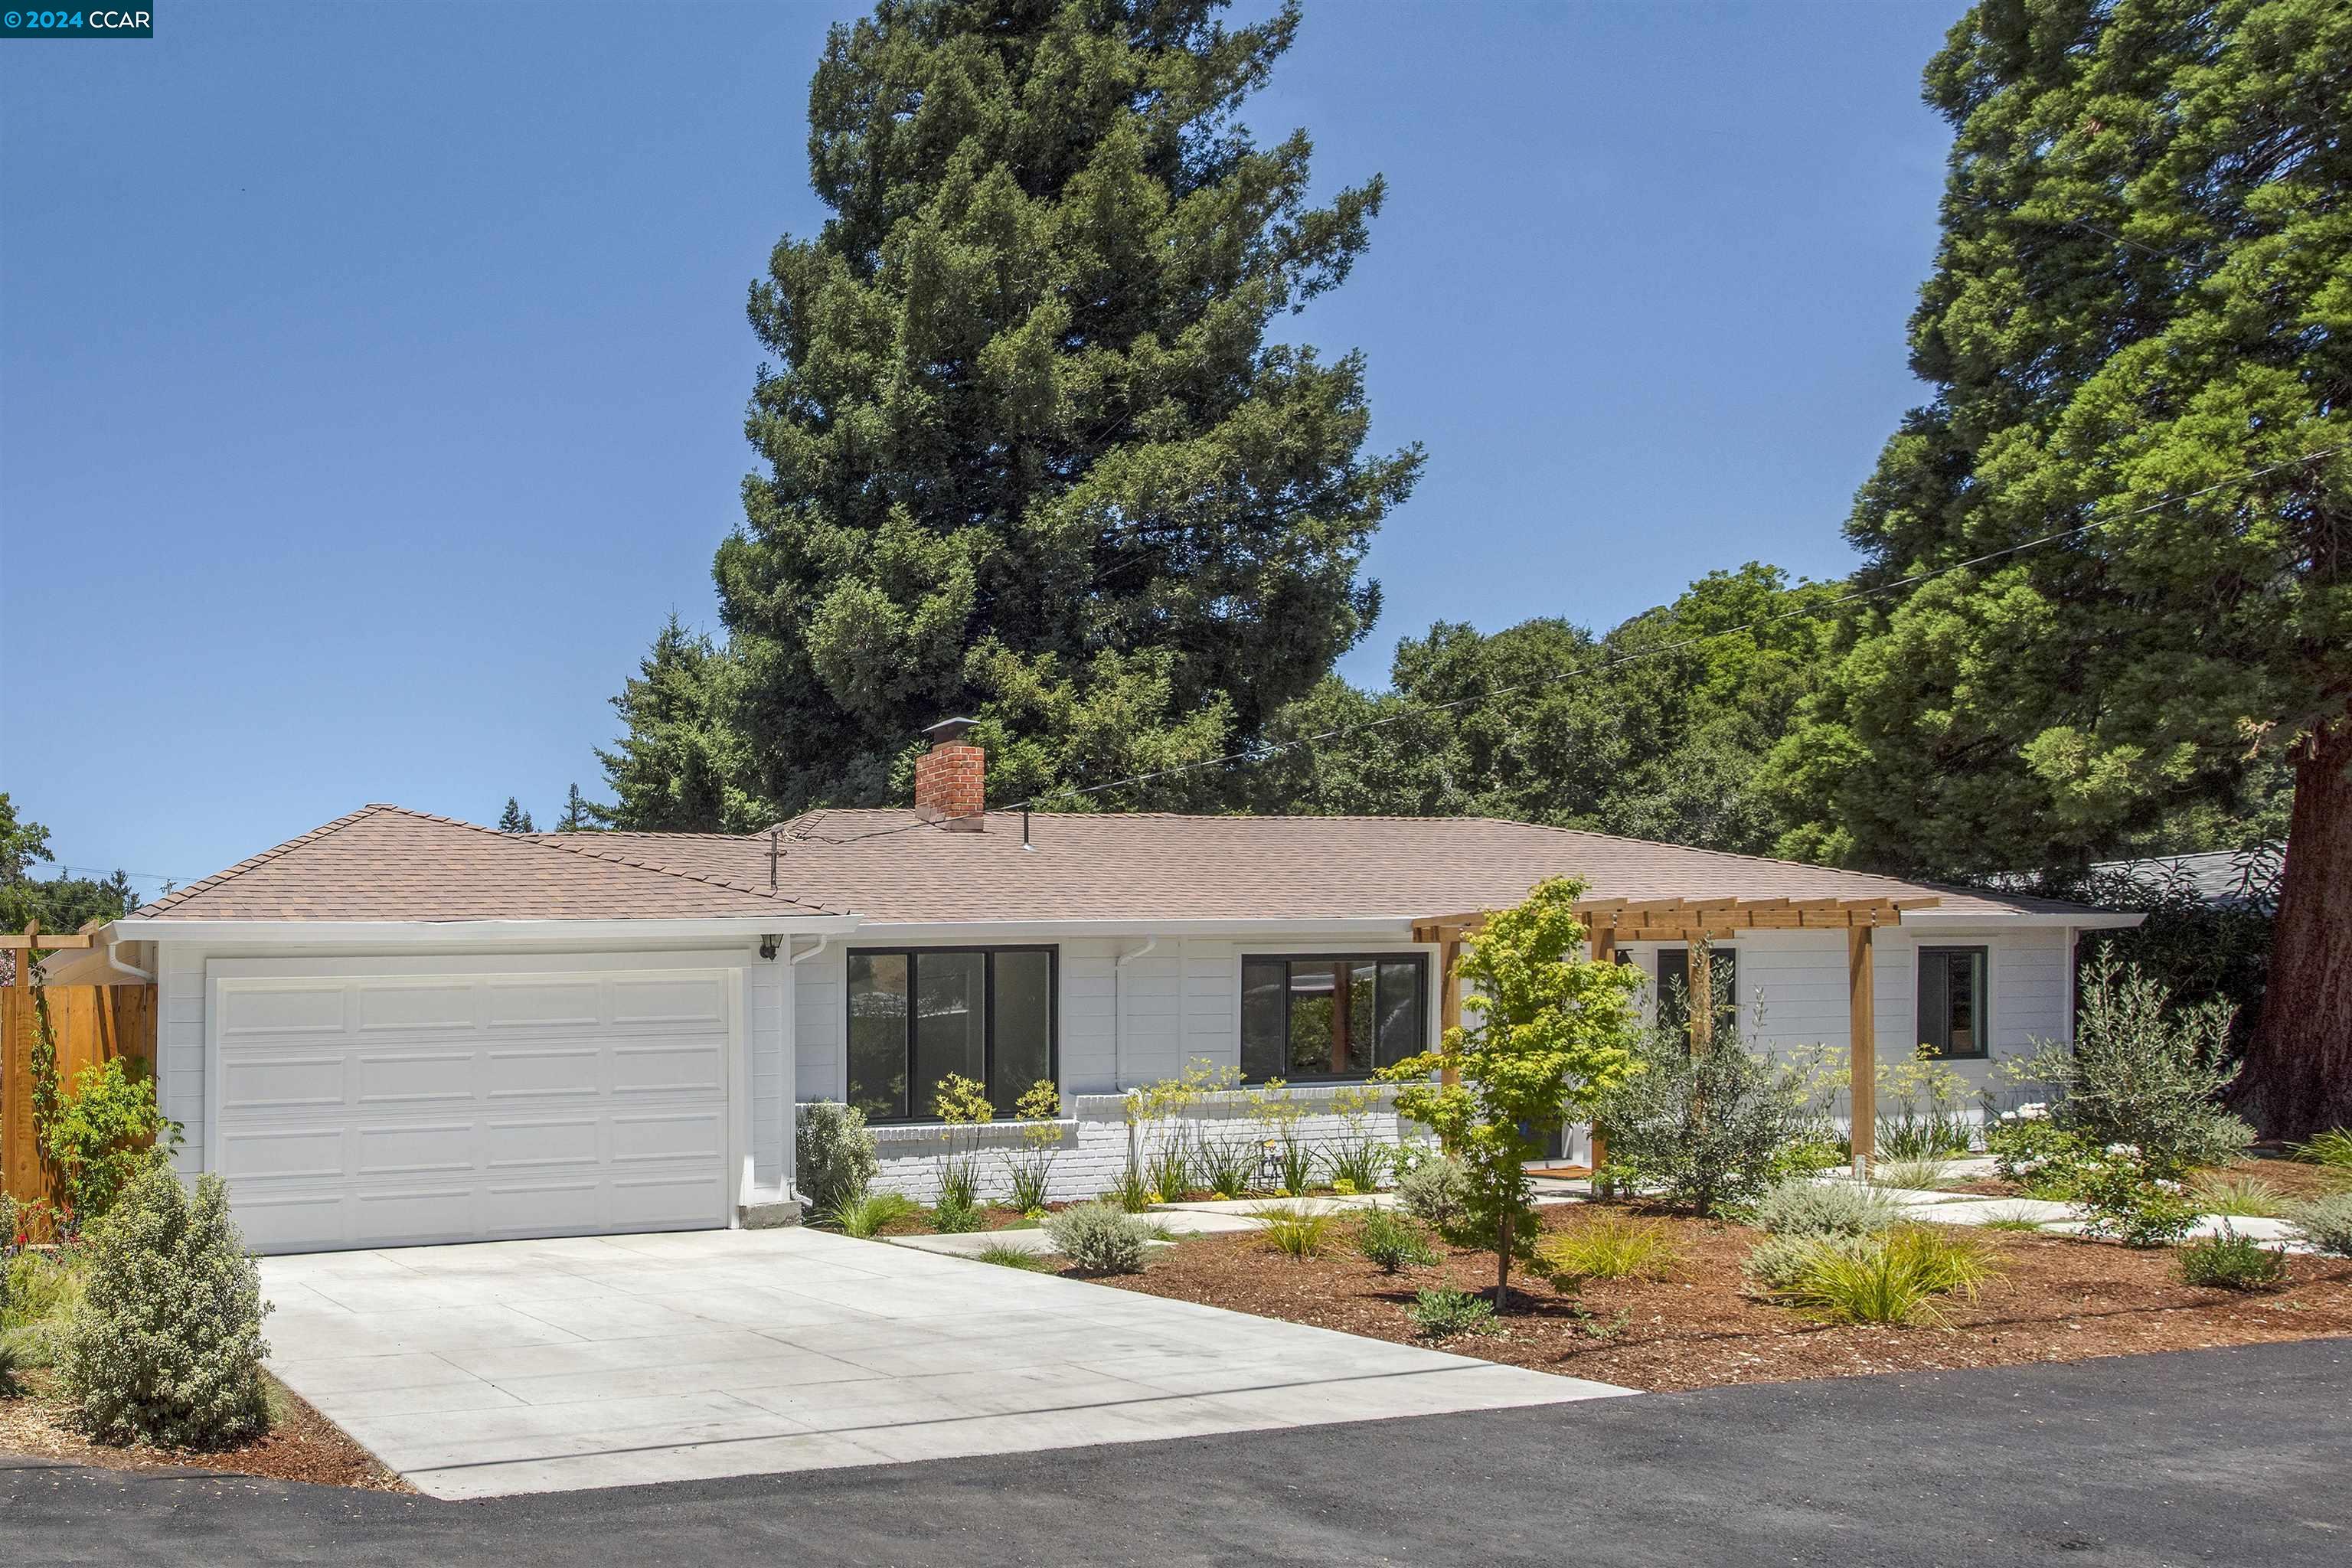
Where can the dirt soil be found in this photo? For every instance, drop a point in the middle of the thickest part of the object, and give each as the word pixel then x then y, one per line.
pixel 2055 1298
pixel 301 1444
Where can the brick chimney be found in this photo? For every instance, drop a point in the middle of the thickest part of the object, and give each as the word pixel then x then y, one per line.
pixel 952 778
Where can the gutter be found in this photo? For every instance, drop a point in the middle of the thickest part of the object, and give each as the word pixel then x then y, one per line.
pixel 443 933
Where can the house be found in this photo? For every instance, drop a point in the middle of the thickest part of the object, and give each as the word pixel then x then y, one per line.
pixel 400 1028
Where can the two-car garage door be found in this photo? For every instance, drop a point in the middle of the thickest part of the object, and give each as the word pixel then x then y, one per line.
pixel 362 1110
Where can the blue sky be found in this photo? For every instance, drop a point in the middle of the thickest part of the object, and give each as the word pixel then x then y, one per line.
pixel 372 376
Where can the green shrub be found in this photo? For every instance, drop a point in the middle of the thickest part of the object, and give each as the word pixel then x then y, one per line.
pixel 166 1345
pixel 2125 1201
pixel 2325 1223
pixel 959 1187
pixel 2332 1148
pixel 9 1385
pixel 2038 1154
pixel 1800 1206
pixel 1393 1241
pixel 2142 1073
pixel 1295 1232
pixel 1434 1190
pixel 956 1216
pixel 1133 1193
pixel 1778 1262
pixel 2232 1262
pixel 834 1157
pixel 39 1290
pixel 1442 1313
pixel 1169 1172
pixel 868 1217
pixel 1005 1256
pixel 1227 1167
pixel 105 1133
pixel 2239 1197
pixel 1098 1238
pixel 1609 1247
pixel 1892 1277
pixel 1810 1155
pixel 1362 1164
pixel 1026 1181
pixel 1707 1128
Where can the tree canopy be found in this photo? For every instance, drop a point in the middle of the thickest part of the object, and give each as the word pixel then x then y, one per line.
pixel 1029 449
pixel 60 903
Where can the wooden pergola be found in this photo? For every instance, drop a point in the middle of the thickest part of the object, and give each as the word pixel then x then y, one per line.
pixel 1699 923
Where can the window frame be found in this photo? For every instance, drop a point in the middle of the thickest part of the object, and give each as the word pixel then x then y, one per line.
pixel 911 953
pixel 1944 952
pixel 1657 977
pixel 1418 957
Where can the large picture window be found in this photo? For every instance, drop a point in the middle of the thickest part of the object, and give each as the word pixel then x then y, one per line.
pixel 1331 1017
pixel 1952 1001
pixel 917 1015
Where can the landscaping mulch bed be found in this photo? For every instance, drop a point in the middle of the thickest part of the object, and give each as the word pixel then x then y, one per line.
pixel 301 1444
pixel 2054 1300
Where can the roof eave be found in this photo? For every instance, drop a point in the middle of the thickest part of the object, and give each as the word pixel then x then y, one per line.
pixel 476 934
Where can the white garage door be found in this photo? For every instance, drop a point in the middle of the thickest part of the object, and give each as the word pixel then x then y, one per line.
pixel 374 1110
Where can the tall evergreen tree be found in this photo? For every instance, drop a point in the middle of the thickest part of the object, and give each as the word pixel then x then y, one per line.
pixel 1029 450
pixel 514 818
pixel 578 817
pixel 2144 291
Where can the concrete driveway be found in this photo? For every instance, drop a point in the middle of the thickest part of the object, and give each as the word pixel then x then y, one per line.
pixel 528 1366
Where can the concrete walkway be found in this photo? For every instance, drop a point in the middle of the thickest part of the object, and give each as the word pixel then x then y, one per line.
pixel 508 1367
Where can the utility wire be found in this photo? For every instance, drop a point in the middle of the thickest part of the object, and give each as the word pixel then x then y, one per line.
pixel 1262 753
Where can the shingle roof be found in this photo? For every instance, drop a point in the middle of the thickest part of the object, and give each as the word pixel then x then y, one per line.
pixel 384 863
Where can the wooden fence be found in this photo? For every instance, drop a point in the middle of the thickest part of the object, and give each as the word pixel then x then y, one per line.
pixel 90 1023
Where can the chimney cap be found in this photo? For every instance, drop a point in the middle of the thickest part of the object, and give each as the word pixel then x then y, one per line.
pixel 948 730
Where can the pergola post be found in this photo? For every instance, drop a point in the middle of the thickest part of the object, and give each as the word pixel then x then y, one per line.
pixel 1862 1055
pixel 1701 999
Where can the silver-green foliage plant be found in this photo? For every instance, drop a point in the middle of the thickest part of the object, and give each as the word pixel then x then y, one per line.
pixel 1800 1206
pixel 835 1155
pixel 2326 1224
pixel 1433 1190
pixel 2143 1073
pixel 1443 1313
pixel 1098 1238
pixel 1707 1126
pixel 166 1347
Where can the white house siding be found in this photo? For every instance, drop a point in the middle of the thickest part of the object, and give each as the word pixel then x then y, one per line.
pixel 181 992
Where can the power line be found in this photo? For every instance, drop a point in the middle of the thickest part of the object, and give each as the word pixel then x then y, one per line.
pixel 103 871
pixel 1263 753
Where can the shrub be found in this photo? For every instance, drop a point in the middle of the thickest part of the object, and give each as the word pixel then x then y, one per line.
pixel 960 1185
pixel 38 1292
pixel 2325 1223
pixel 1169 1172
pixel 166 1346
pixel 1809 1154
pixel 1888 1278
pixel 9 1387
pixel 1227 1167
pixel 2332 1148
pixel 2232 1262
pixel 1708 1128
pixel 1433 1190
pixel 868 1217
pixel 2038 1154
pixel 1098 1238
pixel 1803 1207
pixel 2139 1073
pixel 1007 1256
pixel 1609 1247
pixel 2125 1201
pixel 105 1134
pixel 2240 1197
pixel 1295 1232
pixel 955 1216
pixel 1361 1165
pixel 834 1156
pixel 1029 1171
pixel 1133 1193
pixel 1778 1262
pixel 1296 1158
pixel 1442 1313
pixel 1393 1241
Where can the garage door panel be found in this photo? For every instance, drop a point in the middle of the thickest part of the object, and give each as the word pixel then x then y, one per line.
pixel 419 1006
pixel 417 1150
pixel 574 1071
pixel 275 1081
pixel 415 1077
pixel 362 1112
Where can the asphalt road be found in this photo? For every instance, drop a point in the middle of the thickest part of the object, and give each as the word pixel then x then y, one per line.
pixel 2240 1456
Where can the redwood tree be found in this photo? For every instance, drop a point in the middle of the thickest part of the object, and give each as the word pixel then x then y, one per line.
pixel 2143 296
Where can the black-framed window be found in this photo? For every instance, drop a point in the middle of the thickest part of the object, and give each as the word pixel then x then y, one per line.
pixel 1955 1002
pixel 917 1015
pixel 1332 1016
pixel 1674 985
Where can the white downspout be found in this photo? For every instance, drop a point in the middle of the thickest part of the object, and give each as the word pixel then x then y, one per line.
pixel 789 1023
pixel 113 952
pixel 1119 1009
